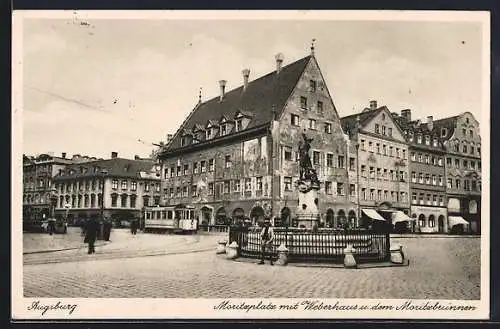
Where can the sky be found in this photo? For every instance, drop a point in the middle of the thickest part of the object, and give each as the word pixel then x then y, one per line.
pixel 93 86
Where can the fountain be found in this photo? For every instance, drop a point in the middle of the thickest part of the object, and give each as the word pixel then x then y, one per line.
pixel 307 213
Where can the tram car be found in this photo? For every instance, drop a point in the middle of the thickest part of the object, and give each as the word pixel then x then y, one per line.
pixel 176 219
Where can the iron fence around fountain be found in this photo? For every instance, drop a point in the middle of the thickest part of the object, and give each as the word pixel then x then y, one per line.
pixel 321 245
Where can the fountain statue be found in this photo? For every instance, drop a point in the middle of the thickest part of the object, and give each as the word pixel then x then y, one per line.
pixel 308 185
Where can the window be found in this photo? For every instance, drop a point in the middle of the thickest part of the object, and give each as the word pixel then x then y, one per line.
pixel 434 181
pixel 377 128
pixel 178 171
pixel 421 198
pixel 420 157
pixel 363 144
pixel 441 202
pixel 440 162
pixel 210 188
pixel 328 187
pixel 352 163
pixel 341 161
pixel 114 184
pixel 287 153
pixel 258 183
pixel 295 121
pixel 228 162
pixel 184 191
pixel 195 168
pixel 372 194
pixel 385 174
pixel 329 160
pixel 398 154
pixel 203 166
pixel 404 154
pixel 413 177
pixel 133 186
pixel 427 140
pixel 363 193
pixel 165 173
pixel 421 221
pixel 223 129
pixel 414 198
pixel 464 148
pixel 226 186
pixel 448 161
pixel 421 178
pixel 186 169
pixel 114 200
pixel 211 165
pixel 466 185
pixel 457 183
pixel 449 183
pixel 413 158
pixel 171 192
pixel 478 150
pixel 328 128
pixel 372 172
pixel 390 151
pixel 432 221
pixel 471 149
pixel 457 163
pixel 316 158
pixel 312 124
pixel 465 164
pixel 379 195
pixel 440 180
pixel 464 132
pixel 378 148
pixel 124 201
pixel 184 141
pixel 427 178
pixel 172 171
pixel 472 165
pixel 178 191
pixel 157 187
pixel 133 201
pixel 390 132
pixel 340 188
pixel 435 142
pixel 383 130
pixel 146 187
pixel 444 131
pixel 239 125
pixel 248 184
pixel 288 183
pixel 427 159
pixel 384 149
pixel 312 85
pixel 370 146
pixel 352 190
pixel 124 184
pixel 379 172
pixel 320 107
pixel 363 171
pixel 208 133
pixel 456 147
pixel 474 185
pixel 236 186
pixel 419 139
pixel 386 195
pixel 303 102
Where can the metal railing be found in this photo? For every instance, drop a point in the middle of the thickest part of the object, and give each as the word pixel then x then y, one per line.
pixel 215 228
pixel 322 245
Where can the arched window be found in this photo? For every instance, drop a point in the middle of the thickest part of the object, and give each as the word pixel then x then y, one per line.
pixel 329 218
pixel 432 221
pixel 421 220
pixel 352 219
pixel 341 219
pixel 453 205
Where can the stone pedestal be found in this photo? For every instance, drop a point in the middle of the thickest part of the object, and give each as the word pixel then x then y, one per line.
pixel 221 247
pixel 282 255
pixel 307 210
pixel 349 260
pixel 397 256
pixel 232 250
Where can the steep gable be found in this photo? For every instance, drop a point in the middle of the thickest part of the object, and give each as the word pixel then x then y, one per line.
pixel 383 124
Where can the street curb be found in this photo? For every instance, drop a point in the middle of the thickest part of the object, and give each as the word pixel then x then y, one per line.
pixel 56 250
pixel 434 236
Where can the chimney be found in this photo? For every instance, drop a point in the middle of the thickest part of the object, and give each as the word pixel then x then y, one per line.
pixel 114 155
pixel 279 61
pixel 63 155
pixel 246 74
pixel 136 157
pixel 373 105
pixel 430 122
pixel 429 119
pixel 406 114
pixel 222 84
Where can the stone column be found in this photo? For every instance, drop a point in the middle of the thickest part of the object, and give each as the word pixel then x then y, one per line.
pixel 349 260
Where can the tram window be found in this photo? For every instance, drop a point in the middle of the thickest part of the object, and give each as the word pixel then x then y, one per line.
pixel 148 215
pixel 177 214
pixel 163 214
pixel 191 214
pixel 169 214
pixel 158 215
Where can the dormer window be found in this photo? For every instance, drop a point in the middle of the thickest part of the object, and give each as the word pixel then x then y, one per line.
pixel 427 140
pixel 184 141
pixel 411 136
pixel 444 131
pixel 303 102
pixel 419 139
pixel 223 129
pixel 435 142
pixel 239 125
pixel 208 133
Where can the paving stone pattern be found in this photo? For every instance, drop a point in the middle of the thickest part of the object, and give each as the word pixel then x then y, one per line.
pixel 440 268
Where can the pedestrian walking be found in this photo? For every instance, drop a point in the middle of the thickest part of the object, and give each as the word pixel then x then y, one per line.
pixel 91 232
pixel 133 227
pixel 267 241
pixel 107 229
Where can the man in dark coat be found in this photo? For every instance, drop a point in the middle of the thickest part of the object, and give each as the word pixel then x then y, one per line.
pixel 107 229
pixel 91 232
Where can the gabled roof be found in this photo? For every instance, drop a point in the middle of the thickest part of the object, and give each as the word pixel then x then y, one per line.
pixel 259 98
pixel 117 167
pixel 349 122
pixel 448 123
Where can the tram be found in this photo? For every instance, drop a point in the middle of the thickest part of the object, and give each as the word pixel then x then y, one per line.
pixel 176 219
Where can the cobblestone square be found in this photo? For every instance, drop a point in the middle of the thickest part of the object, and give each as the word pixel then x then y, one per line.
pixel 187 267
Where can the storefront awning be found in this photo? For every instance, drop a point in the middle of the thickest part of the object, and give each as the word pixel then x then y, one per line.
pixel 399 216
pixel 457 220
pixel 373 214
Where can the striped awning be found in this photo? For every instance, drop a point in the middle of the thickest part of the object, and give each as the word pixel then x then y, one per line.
pixel 373 214
pixel 399 216
pixel 457 220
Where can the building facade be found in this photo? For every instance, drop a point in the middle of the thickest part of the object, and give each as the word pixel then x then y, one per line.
pixel 382 161
pixel 38 188
pixel 236 155
pixel 127 186
pixel 462 142
pixel 427 173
